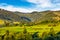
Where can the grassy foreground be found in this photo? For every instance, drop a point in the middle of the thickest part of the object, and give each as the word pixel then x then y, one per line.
pixel 39 28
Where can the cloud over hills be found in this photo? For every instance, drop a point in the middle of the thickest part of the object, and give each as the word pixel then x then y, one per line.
pixel 40 5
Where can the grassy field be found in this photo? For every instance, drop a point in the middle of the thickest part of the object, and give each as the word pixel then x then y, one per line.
pixel 39 28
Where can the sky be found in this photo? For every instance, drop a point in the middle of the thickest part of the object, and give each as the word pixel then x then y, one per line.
pixel 30 5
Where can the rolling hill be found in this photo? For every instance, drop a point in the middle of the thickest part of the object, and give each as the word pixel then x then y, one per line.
pixel 38 17
pixel 34 17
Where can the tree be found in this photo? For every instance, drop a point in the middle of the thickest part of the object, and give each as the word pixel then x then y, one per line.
pixel 58 36
pixel 6 23
pixel 52 31
pixel 35 36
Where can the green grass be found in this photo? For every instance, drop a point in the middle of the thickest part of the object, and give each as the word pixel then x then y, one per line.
pixel 39 28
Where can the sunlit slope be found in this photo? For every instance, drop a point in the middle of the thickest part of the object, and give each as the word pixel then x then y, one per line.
pixel 1 22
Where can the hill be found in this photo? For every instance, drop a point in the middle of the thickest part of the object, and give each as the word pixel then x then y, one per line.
pixel 38 17
pixel 7 15
pixel 34 17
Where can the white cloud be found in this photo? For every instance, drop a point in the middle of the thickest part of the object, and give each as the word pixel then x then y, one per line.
pixel 41 3
pixel 55 9
pixel 45 4
pixel 56 0
pixel 13 8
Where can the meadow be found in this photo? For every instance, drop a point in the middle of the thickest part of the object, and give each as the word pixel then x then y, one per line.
pixel 35 28
pixel 15 31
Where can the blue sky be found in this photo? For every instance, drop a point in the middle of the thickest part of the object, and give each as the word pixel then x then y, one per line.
pixel 30 5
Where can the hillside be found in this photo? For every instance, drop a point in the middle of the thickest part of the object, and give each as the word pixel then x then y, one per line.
pixel 38 17
pixel 7 15
pixel 35 17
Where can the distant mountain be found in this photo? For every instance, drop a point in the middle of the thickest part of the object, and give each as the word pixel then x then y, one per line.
pixel 34 17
